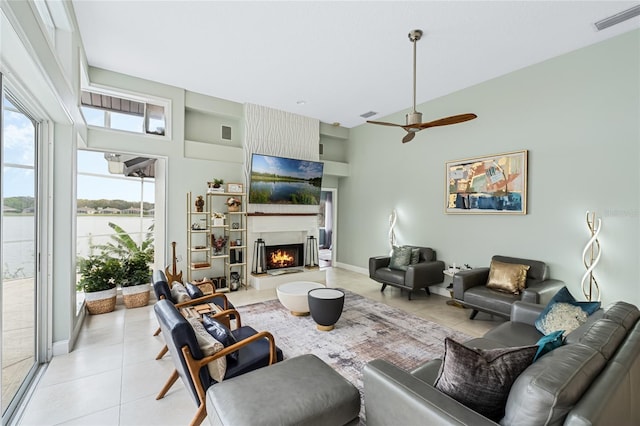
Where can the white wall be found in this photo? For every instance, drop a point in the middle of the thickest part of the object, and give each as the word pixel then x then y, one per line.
pixel 577 114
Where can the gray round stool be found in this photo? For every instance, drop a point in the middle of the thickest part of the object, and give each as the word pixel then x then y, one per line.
pixel 325 305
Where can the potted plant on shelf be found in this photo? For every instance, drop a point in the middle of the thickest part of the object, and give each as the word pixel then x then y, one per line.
pixel 215 186
pixel 233 204
pixel 136 278
pixel 99 277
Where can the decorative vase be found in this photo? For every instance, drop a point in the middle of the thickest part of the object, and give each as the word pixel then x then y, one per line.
pixel 199 204
pixel 101 302
pixel 136 296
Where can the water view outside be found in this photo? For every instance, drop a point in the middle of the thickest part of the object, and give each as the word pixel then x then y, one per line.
pixel 91 230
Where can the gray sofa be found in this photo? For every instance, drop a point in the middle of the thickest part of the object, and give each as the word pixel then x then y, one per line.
pixel 469 288
pixel 428 271
pixel 594 379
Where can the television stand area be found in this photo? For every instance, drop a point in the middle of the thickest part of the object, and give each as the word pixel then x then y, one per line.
pixel 269 281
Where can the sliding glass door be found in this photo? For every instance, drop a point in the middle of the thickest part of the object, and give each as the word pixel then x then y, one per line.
pixel 19 217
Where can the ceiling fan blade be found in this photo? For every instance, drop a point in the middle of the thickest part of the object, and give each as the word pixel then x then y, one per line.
pixel 385 123
pixel 454 119
pixel 408 137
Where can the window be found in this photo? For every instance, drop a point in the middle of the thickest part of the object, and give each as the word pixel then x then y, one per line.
pixel 118 113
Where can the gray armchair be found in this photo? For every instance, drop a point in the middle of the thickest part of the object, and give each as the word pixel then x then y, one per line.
pixel 428 271
pixel 469 288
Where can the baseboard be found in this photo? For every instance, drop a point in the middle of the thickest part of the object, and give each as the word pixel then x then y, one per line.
pixel 359 270
pixel 439 289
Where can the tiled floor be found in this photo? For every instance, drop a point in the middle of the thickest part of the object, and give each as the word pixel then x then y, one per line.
pixel 111 378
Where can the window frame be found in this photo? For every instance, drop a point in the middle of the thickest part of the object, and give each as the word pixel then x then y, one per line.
pixel 131 96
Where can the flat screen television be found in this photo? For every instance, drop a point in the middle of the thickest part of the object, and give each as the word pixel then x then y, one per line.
pixel 279 180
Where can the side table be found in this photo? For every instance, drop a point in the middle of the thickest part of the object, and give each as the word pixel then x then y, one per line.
pixel 451 272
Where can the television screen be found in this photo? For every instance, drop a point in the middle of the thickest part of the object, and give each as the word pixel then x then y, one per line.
pixel 278 180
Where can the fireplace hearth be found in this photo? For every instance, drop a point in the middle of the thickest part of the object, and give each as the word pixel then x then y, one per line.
pixel 283 257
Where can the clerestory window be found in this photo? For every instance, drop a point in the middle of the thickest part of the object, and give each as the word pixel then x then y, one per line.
pixel 119 113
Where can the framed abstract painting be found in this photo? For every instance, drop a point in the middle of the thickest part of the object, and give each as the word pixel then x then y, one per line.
pixel 490 184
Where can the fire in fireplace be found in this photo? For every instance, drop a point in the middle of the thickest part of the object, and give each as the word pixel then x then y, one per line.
pixel 284 256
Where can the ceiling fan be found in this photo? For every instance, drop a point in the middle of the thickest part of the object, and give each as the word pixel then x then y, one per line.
pixel 414 119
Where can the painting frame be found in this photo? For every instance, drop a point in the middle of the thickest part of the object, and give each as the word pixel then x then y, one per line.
pixel 488 184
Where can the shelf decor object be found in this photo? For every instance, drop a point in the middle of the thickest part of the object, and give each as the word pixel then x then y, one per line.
pixel 591 257
pixel 492 184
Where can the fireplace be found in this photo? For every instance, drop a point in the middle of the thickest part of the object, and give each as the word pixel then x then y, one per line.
pixel 284 256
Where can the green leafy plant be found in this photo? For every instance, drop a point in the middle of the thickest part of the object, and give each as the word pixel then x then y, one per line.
pixel 99 273
pixel 136 270
pixel 123 246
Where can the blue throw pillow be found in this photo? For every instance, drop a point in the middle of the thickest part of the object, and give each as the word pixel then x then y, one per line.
pixel 548 343
pixel 221 333
pixel 194 291
pixel 561 313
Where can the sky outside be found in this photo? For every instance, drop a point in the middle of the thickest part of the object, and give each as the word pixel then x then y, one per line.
pixel 19 158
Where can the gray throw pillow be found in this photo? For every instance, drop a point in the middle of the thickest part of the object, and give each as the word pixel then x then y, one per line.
pixel 415 256
pixel 400 258
pixel 481 379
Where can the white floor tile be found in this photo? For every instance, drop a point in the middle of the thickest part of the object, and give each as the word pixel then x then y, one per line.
pixel 112 377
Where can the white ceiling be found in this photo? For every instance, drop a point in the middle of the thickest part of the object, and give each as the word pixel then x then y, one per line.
pixel 341 58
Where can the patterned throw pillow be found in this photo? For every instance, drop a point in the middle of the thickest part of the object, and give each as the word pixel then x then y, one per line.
pixel 481 379
pixel 209 346
pixel 415 256
pixel 179 293
pixel 400 258
pixel 568 315
pixel 507 277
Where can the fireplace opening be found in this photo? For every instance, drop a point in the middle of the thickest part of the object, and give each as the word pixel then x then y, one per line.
pixel 284 256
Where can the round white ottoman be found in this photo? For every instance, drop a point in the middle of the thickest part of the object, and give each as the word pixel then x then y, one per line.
pixel 293 296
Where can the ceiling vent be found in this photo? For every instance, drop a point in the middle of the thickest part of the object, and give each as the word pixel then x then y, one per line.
pixel 368 114
pixel 618 18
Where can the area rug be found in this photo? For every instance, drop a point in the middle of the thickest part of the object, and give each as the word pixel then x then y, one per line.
pixel 367 330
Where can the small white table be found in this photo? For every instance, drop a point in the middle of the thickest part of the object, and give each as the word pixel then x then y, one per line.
pixel 451 272
pixel 293 296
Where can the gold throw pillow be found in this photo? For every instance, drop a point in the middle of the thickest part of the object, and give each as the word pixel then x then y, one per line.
pixel 507 277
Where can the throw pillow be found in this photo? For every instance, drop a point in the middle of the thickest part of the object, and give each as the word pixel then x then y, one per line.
pixel 548 343
pixel 179 293
pixel 209 346
pixel 507 277
pixel 400 258
pixel 194 291
pixel 221 333
pixel 481 379
pixel 415 256
pixel 563 317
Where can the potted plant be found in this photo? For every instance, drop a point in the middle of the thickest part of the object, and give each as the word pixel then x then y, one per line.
pixel 99 277
pixel 136 278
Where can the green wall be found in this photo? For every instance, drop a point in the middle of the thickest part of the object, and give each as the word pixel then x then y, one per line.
pixel 577 115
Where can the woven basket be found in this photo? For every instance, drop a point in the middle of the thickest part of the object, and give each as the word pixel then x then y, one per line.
pixel 234 208
pixel 101 302
pixel 135 296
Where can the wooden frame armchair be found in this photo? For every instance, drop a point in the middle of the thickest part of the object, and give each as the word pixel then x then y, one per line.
pixel 255 350
pixel 162 292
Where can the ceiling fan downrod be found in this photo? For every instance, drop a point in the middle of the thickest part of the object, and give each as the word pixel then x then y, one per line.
pixel 414 117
